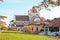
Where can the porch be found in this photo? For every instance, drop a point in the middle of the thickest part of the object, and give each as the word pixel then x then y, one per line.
pixel 51 31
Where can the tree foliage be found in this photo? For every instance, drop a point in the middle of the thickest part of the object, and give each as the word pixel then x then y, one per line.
pixel 54 2
pixel 2 23
pixel 2 17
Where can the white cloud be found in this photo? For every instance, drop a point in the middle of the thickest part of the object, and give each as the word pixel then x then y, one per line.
pixel 54 13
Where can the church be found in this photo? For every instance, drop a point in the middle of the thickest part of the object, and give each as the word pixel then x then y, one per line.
pixel 34 23
pixel 31 23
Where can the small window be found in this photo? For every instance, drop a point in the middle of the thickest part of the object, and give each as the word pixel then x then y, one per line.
pixel 37 28
pixel 36 19
pixel 32 28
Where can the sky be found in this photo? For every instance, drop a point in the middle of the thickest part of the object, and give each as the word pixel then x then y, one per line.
pixel 10 8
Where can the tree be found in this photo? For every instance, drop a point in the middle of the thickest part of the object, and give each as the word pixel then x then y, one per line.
pixel 54 2
pixel 2 17
pixel 2 23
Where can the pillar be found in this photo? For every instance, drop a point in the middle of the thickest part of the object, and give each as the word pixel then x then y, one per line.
pixel 48 30
pixel 59 29
pixel 45 30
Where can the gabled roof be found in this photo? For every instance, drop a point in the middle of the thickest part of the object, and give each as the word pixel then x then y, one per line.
pixel 34 10
pixel 21 18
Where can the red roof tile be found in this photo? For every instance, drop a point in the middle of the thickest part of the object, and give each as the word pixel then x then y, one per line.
pixel 21 18
pixel 55 22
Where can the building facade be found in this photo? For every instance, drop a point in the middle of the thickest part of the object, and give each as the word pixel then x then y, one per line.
pixel 30 23
pixel 21 20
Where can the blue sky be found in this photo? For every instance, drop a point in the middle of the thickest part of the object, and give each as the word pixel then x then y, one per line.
pixel 10 8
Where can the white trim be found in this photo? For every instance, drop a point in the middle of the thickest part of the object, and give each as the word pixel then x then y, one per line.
pixel 22 22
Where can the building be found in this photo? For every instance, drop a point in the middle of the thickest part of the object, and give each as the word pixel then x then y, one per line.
pixel 21 20
pixel 33 23
pixel 54 27
pixel 30 23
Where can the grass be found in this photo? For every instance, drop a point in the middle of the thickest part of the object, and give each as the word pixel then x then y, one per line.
pixel 10 35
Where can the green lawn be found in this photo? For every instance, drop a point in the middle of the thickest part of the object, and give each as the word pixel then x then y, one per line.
pixel 22 36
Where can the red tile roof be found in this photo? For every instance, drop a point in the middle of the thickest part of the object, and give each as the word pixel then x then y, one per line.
pixel 55 22
pixel 21 18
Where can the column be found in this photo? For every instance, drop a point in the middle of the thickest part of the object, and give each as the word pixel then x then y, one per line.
pixel 59 30
pixel 45 30
pixel 48 30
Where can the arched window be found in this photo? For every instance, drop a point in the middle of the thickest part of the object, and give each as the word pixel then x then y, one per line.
pixel 37 20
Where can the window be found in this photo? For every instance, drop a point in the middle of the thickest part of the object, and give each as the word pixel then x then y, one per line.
pixel 37 28
pixel 36 19
pixel 32 28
